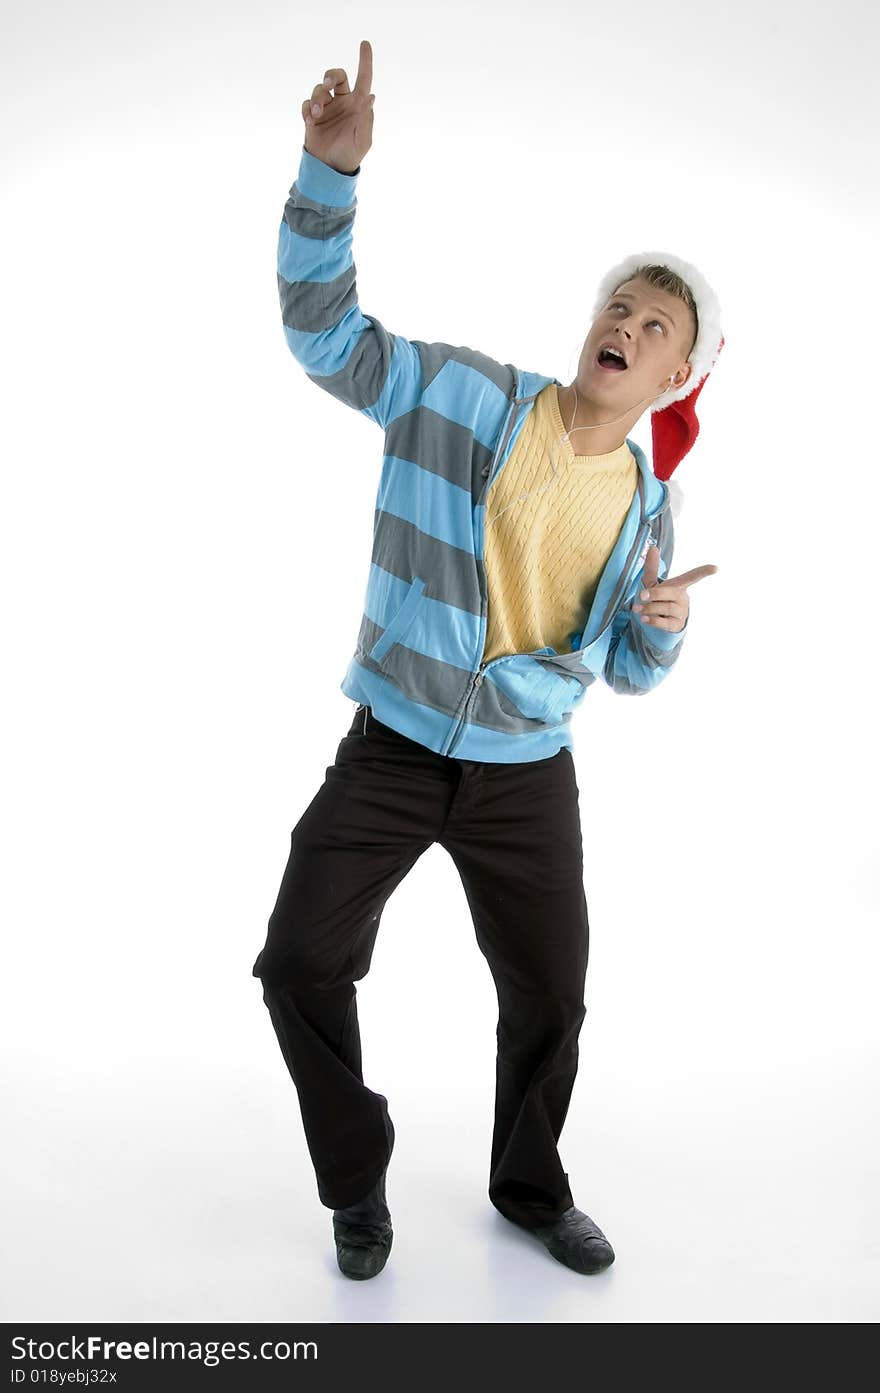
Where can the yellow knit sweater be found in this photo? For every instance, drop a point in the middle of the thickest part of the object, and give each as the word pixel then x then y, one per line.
pixel 544 554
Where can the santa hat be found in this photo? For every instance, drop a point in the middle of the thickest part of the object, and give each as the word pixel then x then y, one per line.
pixel 674 424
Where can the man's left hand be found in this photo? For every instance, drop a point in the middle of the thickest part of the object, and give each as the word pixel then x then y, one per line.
pixel 664 603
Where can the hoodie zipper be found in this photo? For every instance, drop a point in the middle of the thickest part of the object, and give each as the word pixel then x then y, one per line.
pixel 478 677
pixel 636 556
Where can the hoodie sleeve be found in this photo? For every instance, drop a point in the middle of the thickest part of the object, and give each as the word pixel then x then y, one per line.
pixel 640 656
pixel 349 354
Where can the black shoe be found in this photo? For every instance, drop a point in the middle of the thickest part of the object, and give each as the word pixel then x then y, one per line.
pixel 362 1249
pixel 363 1233
pixel 575 1240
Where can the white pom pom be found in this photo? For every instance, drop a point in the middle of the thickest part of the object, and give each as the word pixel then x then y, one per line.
pixel 676 497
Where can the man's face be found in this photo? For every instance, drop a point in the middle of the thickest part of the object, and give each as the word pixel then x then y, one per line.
pixel 653 330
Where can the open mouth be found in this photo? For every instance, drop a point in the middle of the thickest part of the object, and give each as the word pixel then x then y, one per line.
pixel 610 361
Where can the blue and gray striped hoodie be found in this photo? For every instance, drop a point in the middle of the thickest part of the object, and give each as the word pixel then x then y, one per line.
pixel 451 417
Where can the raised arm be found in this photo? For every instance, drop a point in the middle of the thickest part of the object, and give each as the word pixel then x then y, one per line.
pixel 349 354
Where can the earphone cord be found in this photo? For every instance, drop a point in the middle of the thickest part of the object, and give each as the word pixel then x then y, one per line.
pixel 570 432
pixel 520 498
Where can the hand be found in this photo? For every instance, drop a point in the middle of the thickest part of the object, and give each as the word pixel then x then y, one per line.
pixel 341 132
pixel 667 605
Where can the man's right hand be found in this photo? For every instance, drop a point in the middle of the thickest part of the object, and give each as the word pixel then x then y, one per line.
pixel 341 132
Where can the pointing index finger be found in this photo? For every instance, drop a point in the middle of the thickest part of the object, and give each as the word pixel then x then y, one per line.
pixel 689 577
pixel 365 69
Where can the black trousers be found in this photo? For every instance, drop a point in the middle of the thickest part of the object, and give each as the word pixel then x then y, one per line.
pixel 514 834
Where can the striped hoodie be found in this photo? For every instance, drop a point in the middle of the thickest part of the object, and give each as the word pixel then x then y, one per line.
pixel 451 416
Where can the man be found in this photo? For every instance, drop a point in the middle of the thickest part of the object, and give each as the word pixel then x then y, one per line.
pixel 502 585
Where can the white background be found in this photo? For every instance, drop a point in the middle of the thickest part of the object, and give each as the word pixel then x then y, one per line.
pixel 186 532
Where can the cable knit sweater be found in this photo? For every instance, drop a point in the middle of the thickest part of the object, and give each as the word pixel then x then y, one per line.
pixel 545 552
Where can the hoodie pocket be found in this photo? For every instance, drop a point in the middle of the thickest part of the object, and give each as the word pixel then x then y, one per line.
pixel 400 623
pixel 553 696
pixel 538 691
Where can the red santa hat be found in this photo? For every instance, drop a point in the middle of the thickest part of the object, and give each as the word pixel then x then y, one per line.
pixel 674 424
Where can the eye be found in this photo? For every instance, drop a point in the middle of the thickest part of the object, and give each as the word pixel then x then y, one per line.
pixel 619 305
